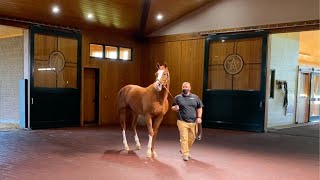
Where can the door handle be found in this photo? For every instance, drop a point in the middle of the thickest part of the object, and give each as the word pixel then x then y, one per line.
pixel 31 100
pixel 261 105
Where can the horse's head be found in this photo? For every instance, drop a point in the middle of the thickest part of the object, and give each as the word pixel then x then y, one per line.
pixel 162 77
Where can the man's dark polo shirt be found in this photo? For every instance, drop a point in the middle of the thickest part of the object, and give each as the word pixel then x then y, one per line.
pixel 188 106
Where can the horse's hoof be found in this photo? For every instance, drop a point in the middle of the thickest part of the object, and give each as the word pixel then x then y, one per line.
pixel 154 154
pixel 149 154
pixel 138 146
pixel 126 148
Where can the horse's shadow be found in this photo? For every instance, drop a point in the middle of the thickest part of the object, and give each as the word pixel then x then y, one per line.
pixel 132 159
pixel 119 152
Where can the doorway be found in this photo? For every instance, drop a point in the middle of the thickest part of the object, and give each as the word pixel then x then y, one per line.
pixel 91 96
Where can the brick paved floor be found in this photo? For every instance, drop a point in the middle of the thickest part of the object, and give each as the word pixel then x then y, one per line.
pixel 96 153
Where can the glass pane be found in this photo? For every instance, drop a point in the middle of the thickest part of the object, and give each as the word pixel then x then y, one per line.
pixel 96 50
pixel 125 53
pixel 55 65
pixel 111 52
pixel 218 79
pixel 316 86
pixel 315 98
pixel 248 78
pixel 304 85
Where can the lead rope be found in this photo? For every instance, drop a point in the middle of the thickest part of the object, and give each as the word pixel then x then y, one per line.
pixel 197 129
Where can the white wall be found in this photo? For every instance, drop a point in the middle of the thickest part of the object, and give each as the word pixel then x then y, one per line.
pixel 11 71
pixel 221 14
pixel 283 57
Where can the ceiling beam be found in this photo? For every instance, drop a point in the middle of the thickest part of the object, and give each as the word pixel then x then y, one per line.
pixel 144 16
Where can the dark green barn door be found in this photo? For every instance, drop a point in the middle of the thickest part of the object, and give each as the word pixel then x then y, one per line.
pixel 55 78
pixel 234 81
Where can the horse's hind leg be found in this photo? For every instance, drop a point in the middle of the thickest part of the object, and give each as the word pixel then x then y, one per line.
pixel 134 127
pixel 122 116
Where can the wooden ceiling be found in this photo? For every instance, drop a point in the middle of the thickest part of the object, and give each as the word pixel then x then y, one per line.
pixel 133 16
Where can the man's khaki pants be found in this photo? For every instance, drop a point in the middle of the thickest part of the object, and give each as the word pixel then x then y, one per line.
pixel 187 136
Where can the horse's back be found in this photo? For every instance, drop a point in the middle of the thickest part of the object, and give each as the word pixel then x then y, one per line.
pixel 129 92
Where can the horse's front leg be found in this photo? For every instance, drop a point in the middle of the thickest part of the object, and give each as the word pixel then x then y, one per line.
pixel 149 125
pixel 156 124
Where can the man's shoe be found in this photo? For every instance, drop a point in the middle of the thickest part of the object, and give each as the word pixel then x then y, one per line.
pixel 199 137
pixel 185 158
pixel 182 153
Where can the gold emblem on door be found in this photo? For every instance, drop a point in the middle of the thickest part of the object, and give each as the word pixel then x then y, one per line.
pixel 233 64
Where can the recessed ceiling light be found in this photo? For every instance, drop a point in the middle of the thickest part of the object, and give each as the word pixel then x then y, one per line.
pixel 159 17
pixel 55 9
pixel 90 16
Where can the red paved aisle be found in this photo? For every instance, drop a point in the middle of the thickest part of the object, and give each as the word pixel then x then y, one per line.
pixel 96 153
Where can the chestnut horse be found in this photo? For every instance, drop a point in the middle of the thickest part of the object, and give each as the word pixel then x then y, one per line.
pixel 150 102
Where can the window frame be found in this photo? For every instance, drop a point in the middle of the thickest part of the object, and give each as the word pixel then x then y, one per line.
pixel 104 52
pixel 131 50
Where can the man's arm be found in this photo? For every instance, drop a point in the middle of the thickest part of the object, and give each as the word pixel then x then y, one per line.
pixel 199 115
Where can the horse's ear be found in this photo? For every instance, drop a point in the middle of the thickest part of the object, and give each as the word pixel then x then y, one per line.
pixel 158 65
pixel 165 65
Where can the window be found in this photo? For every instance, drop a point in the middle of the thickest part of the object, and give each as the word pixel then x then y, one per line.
pixel 96 50
pixel 111 52
pixel 125 54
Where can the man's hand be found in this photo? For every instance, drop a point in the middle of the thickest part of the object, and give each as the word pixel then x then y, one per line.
pixel 175 108
pixel 199 120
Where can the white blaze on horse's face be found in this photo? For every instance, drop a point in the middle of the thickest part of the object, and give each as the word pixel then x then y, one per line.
pixel 158 84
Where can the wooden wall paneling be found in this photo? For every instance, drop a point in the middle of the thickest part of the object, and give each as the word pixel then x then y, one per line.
pixel 185 60
pixel 114 74
pixel 173 57
pixel 155 54
pixel 192 62
pixel 110 84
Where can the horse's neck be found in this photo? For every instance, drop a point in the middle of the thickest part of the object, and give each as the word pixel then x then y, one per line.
pixel 162 95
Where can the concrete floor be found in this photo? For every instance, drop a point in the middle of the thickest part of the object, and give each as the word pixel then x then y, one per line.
pixel 96 153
